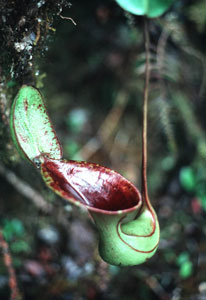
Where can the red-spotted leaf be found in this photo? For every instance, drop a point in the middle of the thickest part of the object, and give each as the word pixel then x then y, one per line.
pixel 31 127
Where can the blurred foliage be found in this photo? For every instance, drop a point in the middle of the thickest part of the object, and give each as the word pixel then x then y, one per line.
pixel 196 13
pixel 12 228
pixel 152 9
pixel 18 241
pixel 185 265
pixel 82 70
pixel 194 182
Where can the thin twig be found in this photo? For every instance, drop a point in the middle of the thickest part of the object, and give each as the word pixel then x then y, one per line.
pixel 25 189
pixel 8 263
pixel 68 18
pixel 145 109
pixel 155 286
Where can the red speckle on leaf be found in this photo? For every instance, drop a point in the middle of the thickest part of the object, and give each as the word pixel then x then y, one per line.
pixel 23 139
pixel 25 105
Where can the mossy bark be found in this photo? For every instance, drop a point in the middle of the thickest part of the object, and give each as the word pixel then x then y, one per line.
pixel 26 27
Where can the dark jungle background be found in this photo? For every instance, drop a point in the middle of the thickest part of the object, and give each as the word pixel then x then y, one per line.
pixel 92 78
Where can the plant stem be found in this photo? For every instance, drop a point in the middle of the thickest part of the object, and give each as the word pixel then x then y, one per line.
pixel 145 110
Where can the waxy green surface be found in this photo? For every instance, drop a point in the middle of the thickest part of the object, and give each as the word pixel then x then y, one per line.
pixel 149 8
pixel 31 127
pixel 125 239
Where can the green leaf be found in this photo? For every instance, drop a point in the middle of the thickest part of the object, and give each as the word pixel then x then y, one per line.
pixel 202 200
pixel 18 227
pixel 185 265
pixel 13 228
pixel 186 269
pixel 149 8
pixel 31 128
pixel 20 246
pixel 72 148
pixel 187 179
pixel 182 258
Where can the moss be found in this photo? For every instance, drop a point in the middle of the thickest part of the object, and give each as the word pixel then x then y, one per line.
pixel 25 30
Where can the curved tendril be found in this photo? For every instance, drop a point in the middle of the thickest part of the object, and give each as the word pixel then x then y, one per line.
pixel 145 120
pixel 145 197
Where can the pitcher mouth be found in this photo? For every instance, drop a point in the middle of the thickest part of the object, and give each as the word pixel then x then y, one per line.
pixel 91 186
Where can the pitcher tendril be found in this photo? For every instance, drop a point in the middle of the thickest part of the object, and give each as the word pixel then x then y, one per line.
pixel 145 112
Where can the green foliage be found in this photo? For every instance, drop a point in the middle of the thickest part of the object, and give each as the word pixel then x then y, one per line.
pixel 14 233
pixel 13 228
pixel 185 265
pixel 191 124
pixel 163 108
pixel 197 14
pixel 187 179
pixel 20 246
pixel 149 8
pixel 76 120
pixel 186 269
pixel 193 180
pixel 71 148
pixel 167 163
